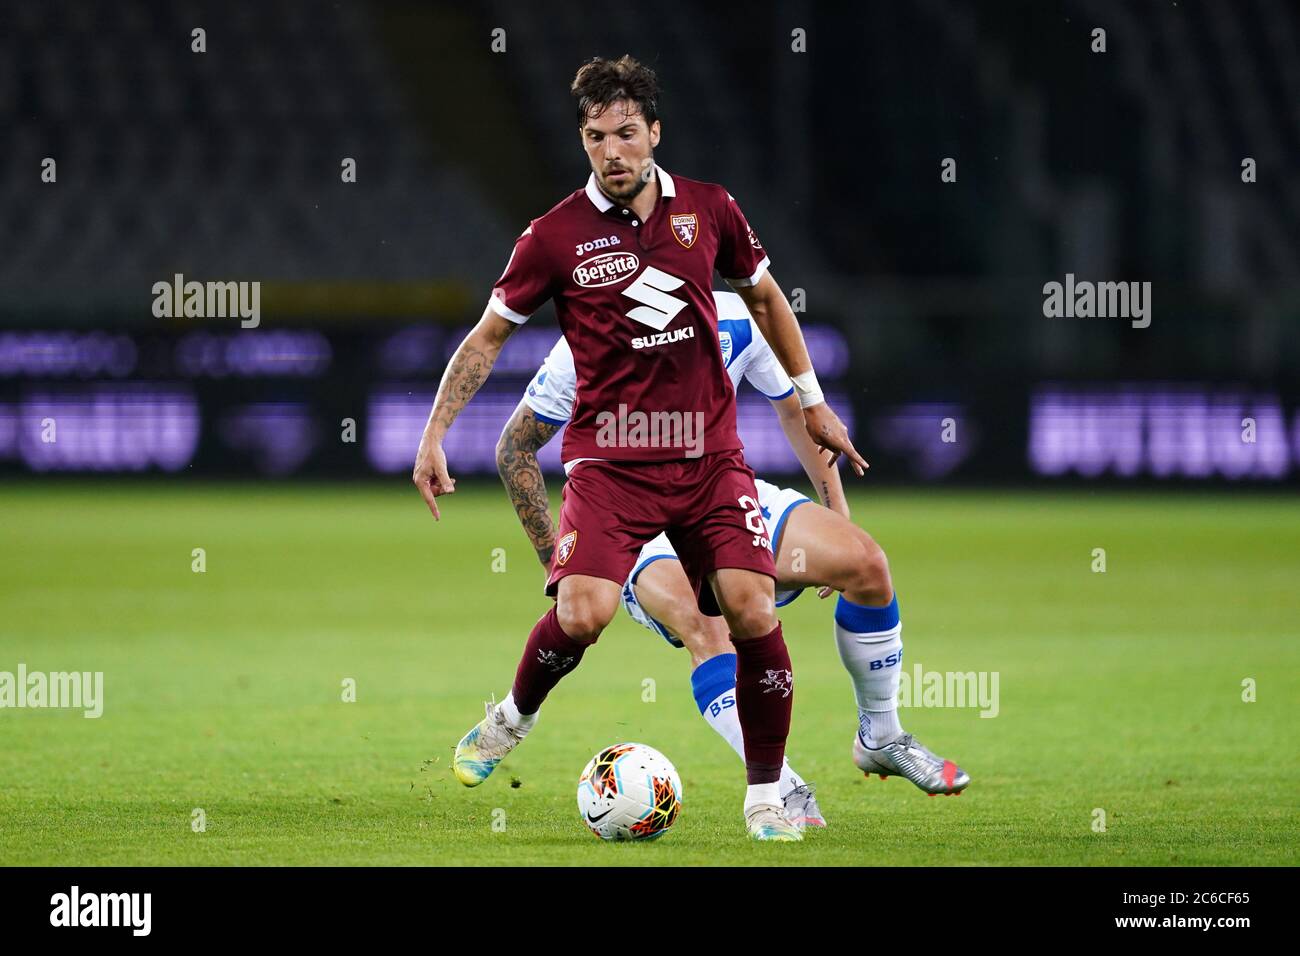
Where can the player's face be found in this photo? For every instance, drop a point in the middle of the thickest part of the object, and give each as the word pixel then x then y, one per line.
pixel 620 147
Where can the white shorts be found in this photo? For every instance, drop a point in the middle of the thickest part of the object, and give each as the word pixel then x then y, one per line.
pixel 777 503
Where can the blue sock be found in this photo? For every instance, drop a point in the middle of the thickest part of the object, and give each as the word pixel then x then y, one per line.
pixel 870 642
pixel 712 678
pixel 864 619
pixel 714 684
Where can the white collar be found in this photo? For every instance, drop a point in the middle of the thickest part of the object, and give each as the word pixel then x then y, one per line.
pixel 667 189
pixel 666 186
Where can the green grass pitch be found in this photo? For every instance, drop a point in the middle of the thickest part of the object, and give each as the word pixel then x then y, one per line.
pixel 223 690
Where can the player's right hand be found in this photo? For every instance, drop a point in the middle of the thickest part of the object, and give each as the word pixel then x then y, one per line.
pixel 829 434
pixel 430 474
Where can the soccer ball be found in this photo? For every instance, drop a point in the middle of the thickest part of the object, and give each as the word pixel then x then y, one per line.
pixel 629 792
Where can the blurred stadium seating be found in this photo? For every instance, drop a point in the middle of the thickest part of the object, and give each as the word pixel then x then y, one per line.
pixel 1123 165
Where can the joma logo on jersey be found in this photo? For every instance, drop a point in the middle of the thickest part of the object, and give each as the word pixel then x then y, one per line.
pixel 663 338
pixel 605 269
pixel 595 244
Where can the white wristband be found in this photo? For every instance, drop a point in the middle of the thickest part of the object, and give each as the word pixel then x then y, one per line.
pixel 806 387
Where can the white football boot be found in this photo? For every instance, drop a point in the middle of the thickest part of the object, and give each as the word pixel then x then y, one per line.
pixel 480 750
pixel 801 807
pixel 906 757
pixel 766 821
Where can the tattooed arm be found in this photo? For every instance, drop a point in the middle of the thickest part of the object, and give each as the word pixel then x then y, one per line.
pixel 521 439
pixel 467 370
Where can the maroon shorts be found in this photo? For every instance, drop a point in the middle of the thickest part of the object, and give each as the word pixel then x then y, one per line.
pixel 708 506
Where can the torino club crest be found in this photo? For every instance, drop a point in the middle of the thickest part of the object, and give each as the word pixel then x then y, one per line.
pixel 685 227
pixel 565 548
pixel 781 681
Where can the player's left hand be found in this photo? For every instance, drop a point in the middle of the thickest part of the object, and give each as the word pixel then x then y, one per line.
pixel 825 592
pixel 826 429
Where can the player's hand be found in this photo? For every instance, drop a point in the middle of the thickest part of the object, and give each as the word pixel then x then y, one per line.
pixel 825 592
pixel 828 432
pixel 430 474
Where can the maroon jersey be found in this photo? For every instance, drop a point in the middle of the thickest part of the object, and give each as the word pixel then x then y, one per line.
pixel 635 302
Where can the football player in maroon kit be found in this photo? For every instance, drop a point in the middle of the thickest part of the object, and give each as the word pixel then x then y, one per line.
pixel 651 446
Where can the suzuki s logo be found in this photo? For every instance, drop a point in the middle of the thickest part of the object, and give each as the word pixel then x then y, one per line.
pixel 658 308
pixel 605 269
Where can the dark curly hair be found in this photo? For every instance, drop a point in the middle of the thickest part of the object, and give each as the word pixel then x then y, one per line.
pixel 601 81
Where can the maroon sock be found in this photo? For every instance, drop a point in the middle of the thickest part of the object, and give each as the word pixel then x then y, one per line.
pixel 549 655
pixel 764 699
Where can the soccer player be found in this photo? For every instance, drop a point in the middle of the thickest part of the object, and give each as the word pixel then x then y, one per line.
pixel 813 546
pixel 652 445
